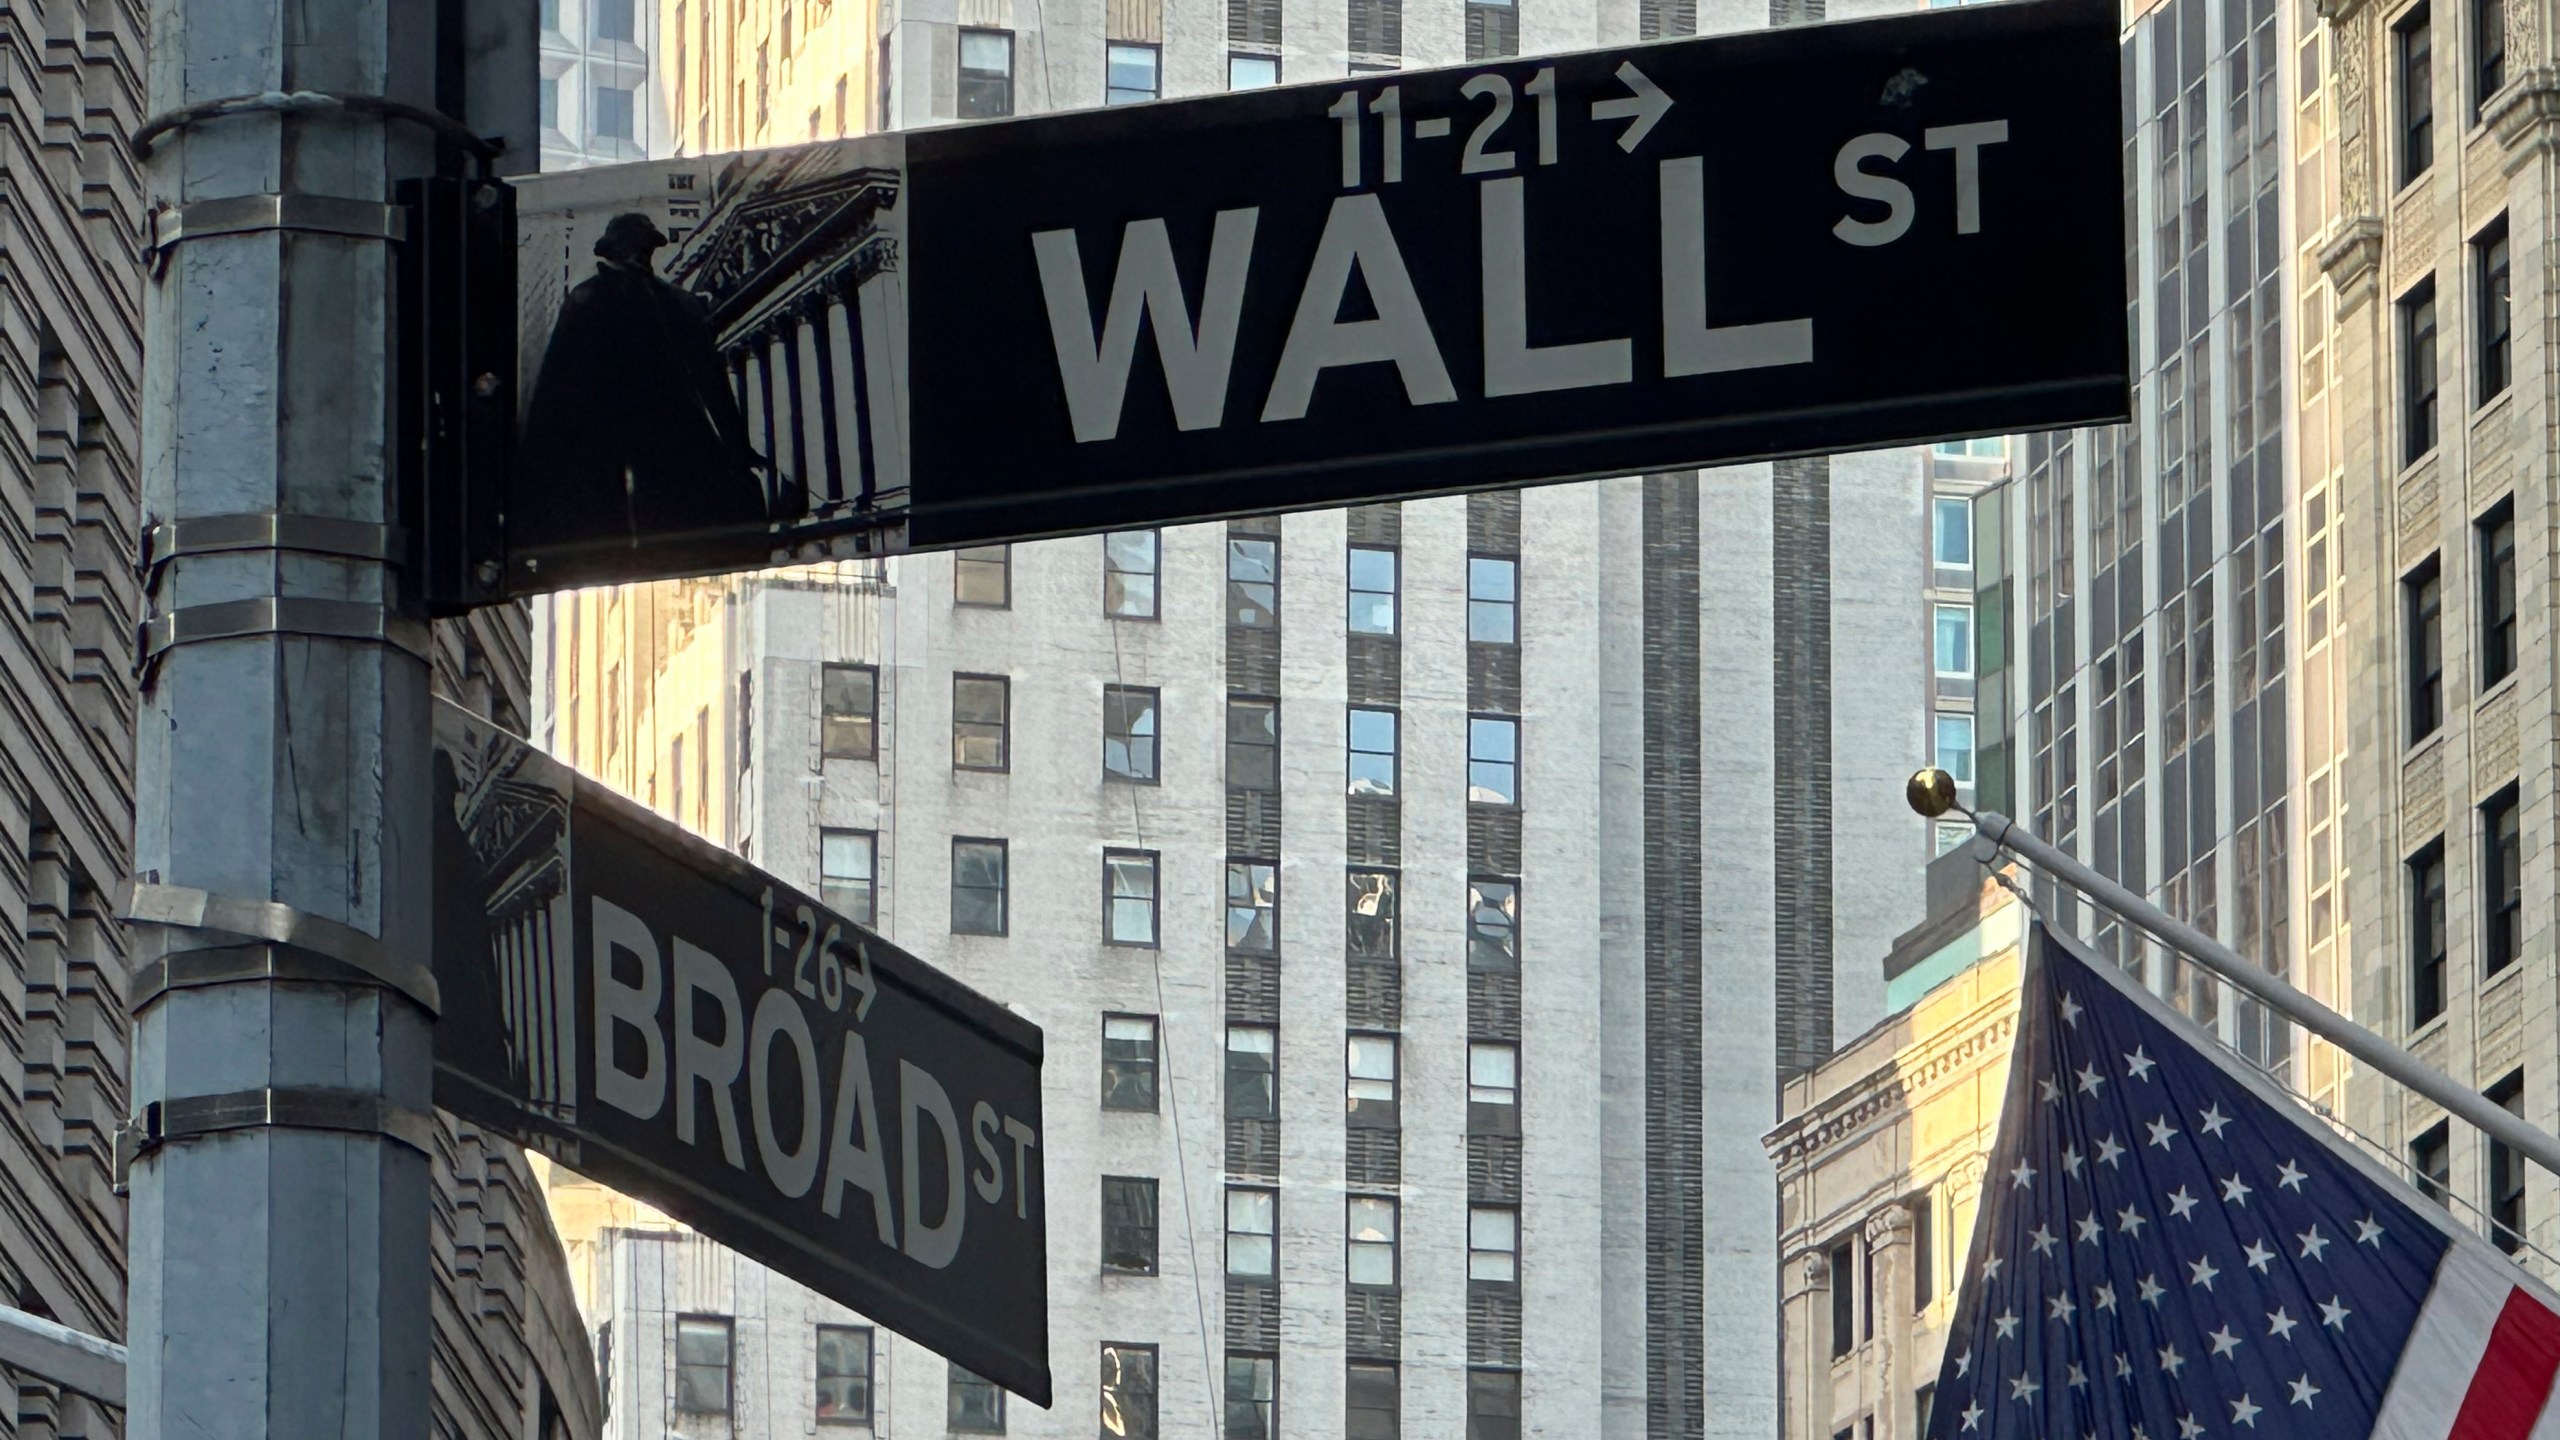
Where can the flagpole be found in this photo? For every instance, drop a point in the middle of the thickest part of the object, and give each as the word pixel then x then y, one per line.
pixel 1932 793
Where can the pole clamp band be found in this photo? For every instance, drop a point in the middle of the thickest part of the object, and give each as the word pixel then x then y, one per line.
pixel 311 102
pixel 304 944
pixel 250 214
pixel 279 615
pixel 355 1112
pixel 264 530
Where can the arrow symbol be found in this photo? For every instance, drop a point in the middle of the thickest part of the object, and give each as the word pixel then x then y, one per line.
pixel 1645 105
pixel 858 975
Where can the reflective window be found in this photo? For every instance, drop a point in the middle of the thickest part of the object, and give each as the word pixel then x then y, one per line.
pixel 1493 924
pixel 1372 760
pixel 1493 1243
pixel 1371 922
pixel 1372 1240
pixel 1129 733
pixel 1129 897
pixel 702 1364
pixel 846 862
pixel 983 575
pixel 1493 760
pixel 1130 73
pixel 977 887
pixel 1252 72
pixel 1373 591
pixel 1493 600
pixel 848 712
pixel 1131 561
pixel 1372 1082
pixel 978 713
pixel 1253 907
pixel 1253 583
pixel 1128 1062
pixel 1252 1072
pixel 1252 1221
pixel 1129 1391
pixel 844 1374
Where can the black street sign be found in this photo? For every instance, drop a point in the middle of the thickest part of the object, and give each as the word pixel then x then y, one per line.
pixel 659 1015
pixel 1805 240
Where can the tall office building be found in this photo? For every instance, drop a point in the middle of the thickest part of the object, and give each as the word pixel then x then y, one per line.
pixel 2139 643
pixel 602 101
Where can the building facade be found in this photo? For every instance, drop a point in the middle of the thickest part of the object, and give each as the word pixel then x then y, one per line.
pixel 603 102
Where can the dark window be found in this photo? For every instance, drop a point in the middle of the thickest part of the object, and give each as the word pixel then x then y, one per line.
pixel 986 74
pixel 1493 599
pixel 1129 733
pixel 1371 763
pixel 2502 879
pixel 977 887
pixel 549 12
pixel 1493 1088
pixel 1253 1217
pixel 2497 533
pixel 1866 1293
pixel 1128 1225
pixel 978 713
pixel 1493 29
pixel 1844 1298
pixel 1370 923
pixel 977 1405
pixel 1253 1053
pixel 1493 760
pixel 2427 937
pixel 1369 1403
pixel 1253 907
pixel 1129 897
pixel 1253 583
pixel 1493 1401
pixel 2418 372
pixel 1373 591
pixel 1370 1232
pixel 2488 50
pixel 1129 1391
pixel 746 720
pixel 1132 562
pixel 847 864
pixel 549 101
pixel 1253 1384
pixel 849 712
pixel 2493 281
pixel 702 1364
pixel 2431 1162
pixel 1493 924
pixel 1493 1244
pixel 982 574
pixel 844 1374
pixel 1923 1401
pixel 1924 1256
pixel 1370 1065
pixel 1253 745
pixel 617 113
pixel 614 20
pixel 2417 95
pixel 2423 596
pixel 2506 1171
pixel 1128 1062
pixel 1130 73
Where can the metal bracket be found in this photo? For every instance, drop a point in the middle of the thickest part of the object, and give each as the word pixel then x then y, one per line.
pixel 264 530
pixel 248 214
pixel 312 938
pixel 359 1112
pixel 280 615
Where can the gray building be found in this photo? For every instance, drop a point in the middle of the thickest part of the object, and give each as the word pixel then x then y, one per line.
pixel 601 102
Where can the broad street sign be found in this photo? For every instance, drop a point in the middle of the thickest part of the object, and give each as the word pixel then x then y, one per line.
pixel 659 1015
pixel 1790 241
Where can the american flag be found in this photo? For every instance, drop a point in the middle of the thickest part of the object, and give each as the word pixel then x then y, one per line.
pixel 2170 1249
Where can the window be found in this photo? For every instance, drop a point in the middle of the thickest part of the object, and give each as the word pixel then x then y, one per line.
pixel 1253 583
pixel 977 887
pixel 1951 532
pixel 1128 1391
pixel 2492 282
pixel 1370 924
pixel 1252 1221
pixel 1252 72
pixel 1369 1402
pixel 1131 563
pixel 1129 897
pixel 813 122
pixel 1493 1243
pixel 2418 372
pixel 550 102
pixel 1923 1401
pixel 702 1364
pixel 614 113
pixel 978 706
pixel 1924 1258
pixel 1371 1063
pixel 1493 1088
pixel 1493 1405
pixel 1844 1299
pixel 1128 1225
pixel 1130 73
pixel 1493 760
pixel 1493 924
pixel 848 861
pixel 844 1374
pixel 614 20
pixel 2427 937
pixel 977 1405
pixel 1372 761
pixel 1955 747
pixel 2488 51
pixel 1129 734
pixel 675 780
pixel 841 82
pixel 1373 591
pixel 2422 596
pixel 1253 1091
pixel 986 74
pixel 1954 636
pixel 2431 1162
pixel 1949 834
pixel 1981 447
pixel 1253 745
pixel 782 28
pixel 1252 1381
pixel 2497 532
pixel 550 14
pixel 1128 1062
pixel 2417 95
pixel 1253 907
pixel 2502 882
pixel 1372 1238
pixel 849 712
pixel 1493 600
pixel 2506 1171
pixel 982 574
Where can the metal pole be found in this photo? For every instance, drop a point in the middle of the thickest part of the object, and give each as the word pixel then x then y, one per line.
pixel 2509 1130
pixel 62 1356
pixel 278 1153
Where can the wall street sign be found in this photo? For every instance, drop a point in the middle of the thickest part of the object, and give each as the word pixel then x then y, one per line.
pixel 660 1015
pixel 1792 241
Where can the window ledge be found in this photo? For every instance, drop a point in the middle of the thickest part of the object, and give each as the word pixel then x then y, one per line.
pixel 2480 413
pixel 2433 739
pixel 2422 460
pixel 2428 1029
pixel 2505 686
pixel 2502 980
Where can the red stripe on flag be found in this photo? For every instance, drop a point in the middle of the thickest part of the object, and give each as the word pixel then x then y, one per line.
pixel 2514 1379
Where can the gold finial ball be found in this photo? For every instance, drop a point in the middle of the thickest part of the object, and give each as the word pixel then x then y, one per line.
pixel 1932 792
